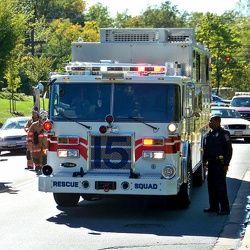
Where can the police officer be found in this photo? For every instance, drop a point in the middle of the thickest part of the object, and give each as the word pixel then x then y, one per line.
pixel 34 118
pixel 37 140
pixel 217 156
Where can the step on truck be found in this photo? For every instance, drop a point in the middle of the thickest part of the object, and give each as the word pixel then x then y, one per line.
pixel 128 117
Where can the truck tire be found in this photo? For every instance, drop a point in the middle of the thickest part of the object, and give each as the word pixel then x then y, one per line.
pixel 66 199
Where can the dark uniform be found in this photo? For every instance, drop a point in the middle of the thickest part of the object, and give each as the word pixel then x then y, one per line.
pixel 217 155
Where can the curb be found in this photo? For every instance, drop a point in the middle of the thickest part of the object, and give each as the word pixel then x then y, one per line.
pixel 245 232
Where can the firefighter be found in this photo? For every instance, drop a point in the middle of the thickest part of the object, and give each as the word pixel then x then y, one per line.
pixel 37 140
pixel 217 156
pixel 34 118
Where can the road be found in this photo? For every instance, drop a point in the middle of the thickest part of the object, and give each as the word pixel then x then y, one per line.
pixel 31 220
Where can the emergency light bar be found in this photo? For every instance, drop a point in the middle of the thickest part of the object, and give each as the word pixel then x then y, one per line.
pixel 82 68
pixel 242 93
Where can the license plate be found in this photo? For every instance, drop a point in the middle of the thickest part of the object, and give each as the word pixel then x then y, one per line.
pixel 238 133
pixel 105 185
pixel 11 144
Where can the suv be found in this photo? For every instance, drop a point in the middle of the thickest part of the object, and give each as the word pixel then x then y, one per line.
pixel 241 103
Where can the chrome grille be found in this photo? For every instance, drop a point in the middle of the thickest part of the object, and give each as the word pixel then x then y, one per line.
pixel 110 152
pixel 237 126
pixel 14 138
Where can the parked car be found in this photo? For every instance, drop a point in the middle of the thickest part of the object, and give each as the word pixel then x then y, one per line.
pixel 218 101
pixel 232 121
pixel 12 134
pixel 241 102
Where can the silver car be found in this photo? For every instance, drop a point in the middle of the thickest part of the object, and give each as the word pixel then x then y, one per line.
pixel 12 134
pixel 231 120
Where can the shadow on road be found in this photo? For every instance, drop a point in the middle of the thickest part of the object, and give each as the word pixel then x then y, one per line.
pixel 5 188
pixel 144 215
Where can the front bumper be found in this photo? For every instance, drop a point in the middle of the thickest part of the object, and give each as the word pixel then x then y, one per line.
pixel 108 185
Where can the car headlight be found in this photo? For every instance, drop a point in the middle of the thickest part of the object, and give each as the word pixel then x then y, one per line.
pixel 248 126
pixel 225 126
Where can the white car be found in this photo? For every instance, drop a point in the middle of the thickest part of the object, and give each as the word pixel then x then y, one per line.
pixel 12 134
pixel 232 121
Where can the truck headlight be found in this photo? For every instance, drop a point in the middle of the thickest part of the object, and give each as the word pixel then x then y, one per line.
pixel 68 153
pixel 172 127
pixel 157 155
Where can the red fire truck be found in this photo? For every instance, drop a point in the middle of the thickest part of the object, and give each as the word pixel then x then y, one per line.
pixel 128 117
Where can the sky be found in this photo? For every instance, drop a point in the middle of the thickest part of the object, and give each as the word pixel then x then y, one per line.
pixel 136 6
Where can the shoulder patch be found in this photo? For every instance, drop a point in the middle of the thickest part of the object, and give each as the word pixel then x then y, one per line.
pixel 227 137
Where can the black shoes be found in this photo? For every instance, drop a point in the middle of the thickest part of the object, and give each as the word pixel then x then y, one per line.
pixel 210 210
pixel 28 168
pixel 223 212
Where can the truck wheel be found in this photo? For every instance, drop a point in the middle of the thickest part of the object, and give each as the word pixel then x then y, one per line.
pixel 66 200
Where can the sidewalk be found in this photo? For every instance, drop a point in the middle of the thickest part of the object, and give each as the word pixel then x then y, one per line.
pixel 245 243
pixel 235 221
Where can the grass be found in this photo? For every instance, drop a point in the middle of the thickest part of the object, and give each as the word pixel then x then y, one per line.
pixel 24 105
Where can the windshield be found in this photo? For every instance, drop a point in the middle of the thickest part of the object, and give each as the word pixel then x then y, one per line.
pixel 226 113
pixel 92 102
pixel 14 124
pixel 241 102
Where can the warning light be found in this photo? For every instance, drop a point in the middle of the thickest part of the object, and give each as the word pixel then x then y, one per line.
pixel 141 69
pixel 228 58
pixel 47 125
pixel 147 141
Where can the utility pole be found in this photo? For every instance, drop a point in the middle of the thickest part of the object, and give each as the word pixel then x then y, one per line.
pixel 32 42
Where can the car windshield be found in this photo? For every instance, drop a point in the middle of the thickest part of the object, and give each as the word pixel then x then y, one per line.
pixel 14 124
pixel 241 102
pixel 226 113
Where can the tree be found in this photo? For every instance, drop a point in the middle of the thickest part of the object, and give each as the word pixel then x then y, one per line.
pixel 221 39
pixel 91 32
pixel 38 68
pixel 54 9
pixel 12 75
pixel 123 20
pixel 100 14
pixel 59 36
pixel 12 26
pixel 165 16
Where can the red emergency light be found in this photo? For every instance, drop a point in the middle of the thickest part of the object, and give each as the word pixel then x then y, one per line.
pixel 47 125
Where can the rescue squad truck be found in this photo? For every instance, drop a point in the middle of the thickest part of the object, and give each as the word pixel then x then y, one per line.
pixel 128 117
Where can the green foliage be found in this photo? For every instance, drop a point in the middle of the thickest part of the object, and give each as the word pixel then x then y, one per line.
pixel 41 33
pixel 163 16
pixel 12 23
pixel 100 14
pixel 60 34
pixel 38 68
